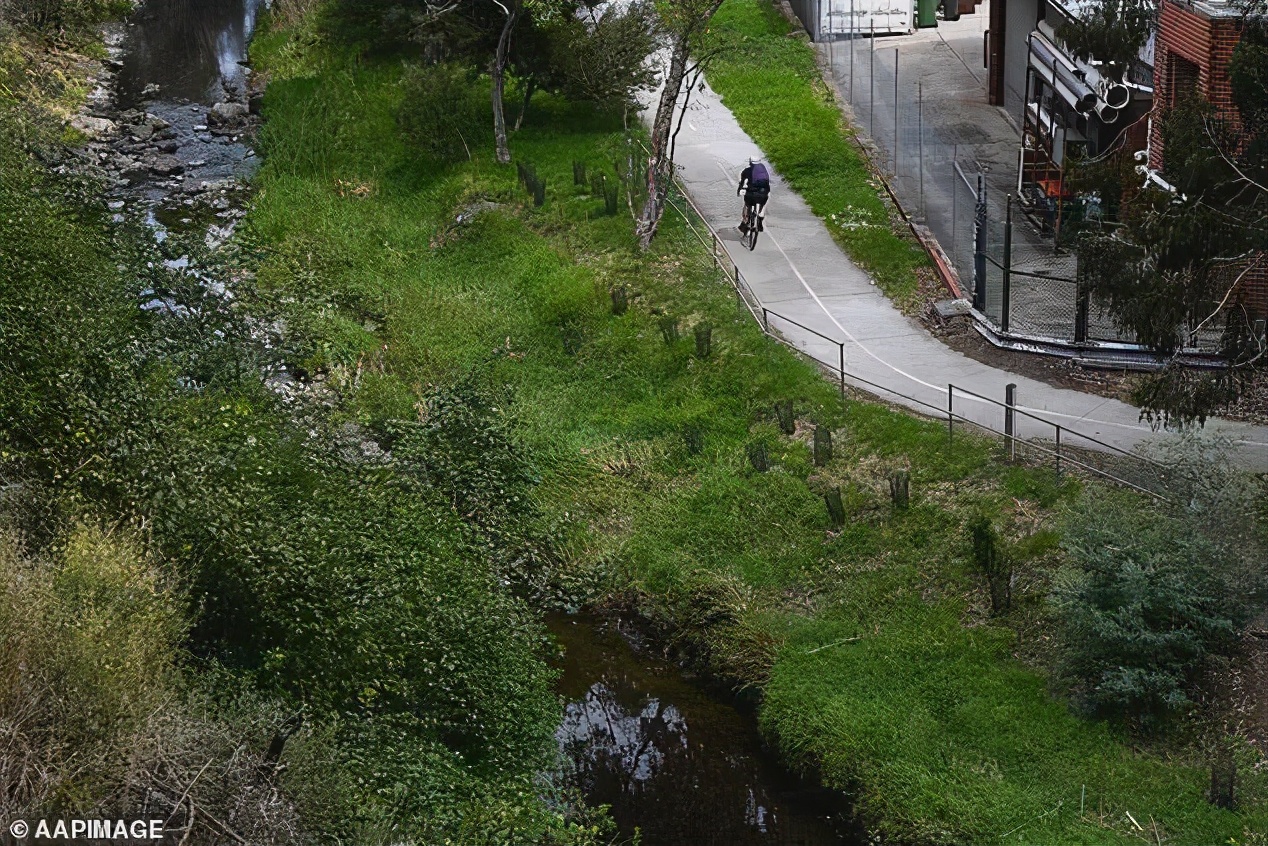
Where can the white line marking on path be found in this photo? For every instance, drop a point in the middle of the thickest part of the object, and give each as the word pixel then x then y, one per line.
pixel 1039 412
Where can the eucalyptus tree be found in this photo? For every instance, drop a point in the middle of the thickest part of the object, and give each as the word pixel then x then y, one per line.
pixel 683 23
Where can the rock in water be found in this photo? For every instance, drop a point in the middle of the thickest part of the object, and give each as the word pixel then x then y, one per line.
pixel 227 113
pixel 166 165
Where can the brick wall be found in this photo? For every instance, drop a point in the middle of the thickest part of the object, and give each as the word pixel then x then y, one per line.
pixel 1188 35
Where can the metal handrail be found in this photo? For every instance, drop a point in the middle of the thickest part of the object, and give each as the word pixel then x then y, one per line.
pixel 1059 427
pixel 763 324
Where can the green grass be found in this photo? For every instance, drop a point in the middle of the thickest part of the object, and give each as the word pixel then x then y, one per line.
pixel 946 736
pixel 770 81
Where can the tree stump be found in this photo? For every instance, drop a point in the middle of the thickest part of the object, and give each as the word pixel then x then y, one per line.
pixel 620 300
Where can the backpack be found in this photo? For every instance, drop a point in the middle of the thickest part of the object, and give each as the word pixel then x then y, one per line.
pixel 759 176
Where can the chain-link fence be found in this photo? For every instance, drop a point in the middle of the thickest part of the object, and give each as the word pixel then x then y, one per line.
pixel 955 177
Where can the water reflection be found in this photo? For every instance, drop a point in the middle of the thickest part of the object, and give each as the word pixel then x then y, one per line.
pixel 189 49
pixel 672 761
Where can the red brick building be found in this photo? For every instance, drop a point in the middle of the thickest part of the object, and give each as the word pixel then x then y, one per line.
pixel 1195 41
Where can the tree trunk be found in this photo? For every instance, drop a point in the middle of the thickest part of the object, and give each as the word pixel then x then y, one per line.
pixel 660 169
pixel 498 72
pixel 529 88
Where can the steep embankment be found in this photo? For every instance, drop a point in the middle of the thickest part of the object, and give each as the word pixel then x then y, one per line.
pixel 221 604
pixel 666 476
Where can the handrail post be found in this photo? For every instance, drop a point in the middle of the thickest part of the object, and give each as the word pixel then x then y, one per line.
pixel 841 349
pixel 717 262
pixel 1058 450
pixel 1010 437
pixel 765 319
pixel 950 413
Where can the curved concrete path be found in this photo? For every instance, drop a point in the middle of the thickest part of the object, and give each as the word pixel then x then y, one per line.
pixel 799 272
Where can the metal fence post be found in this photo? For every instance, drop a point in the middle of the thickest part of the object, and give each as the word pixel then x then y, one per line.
pixel 1058 450
pixel 765 320
pixel 979 247
pixel 853 23
pixel 717 262
pixel 1082 302
pixel 1006 294
pixel 841 350
pixel 1010 439
pixel 920 142
pixel 955 210
pixel 950 413
pixel 871 82
pixel 896 113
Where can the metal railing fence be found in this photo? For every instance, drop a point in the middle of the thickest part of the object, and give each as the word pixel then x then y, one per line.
pixel 1064 449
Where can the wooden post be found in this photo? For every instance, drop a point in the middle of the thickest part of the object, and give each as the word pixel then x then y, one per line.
pixel 900 488
pixel 822 446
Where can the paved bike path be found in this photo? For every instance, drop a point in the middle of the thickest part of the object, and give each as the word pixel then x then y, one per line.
pixel 799 272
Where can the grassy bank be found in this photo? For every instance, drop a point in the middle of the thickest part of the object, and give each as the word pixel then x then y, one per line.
pixel 220 607
pixel 871 641
pixel 770 81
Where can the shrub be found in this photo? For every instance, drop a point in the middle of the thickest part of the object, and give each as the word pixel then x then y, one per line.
pixel 442 112
pixel 1151 601
pixel 56 17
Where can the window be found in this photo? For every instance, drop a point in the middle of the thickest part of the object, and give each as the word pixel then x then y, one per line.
pixel 1182 79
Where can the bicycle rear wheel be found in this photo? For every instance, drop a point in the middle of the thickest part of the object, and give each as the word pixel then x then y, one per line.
pixel 754 225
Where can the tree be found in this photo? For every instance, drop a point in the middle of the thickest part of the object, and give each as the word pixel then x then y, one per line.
pixel 600 57
pixel 1179 262
pixel 684 22
pixel 1112 32
pixel 511 11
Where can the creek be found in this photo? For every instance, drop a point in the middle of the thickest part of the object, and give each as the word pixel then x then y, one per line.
pixel 680 765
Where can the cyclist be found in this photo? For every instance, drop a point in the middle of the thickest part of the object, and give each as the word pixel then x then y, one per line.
pixel 755 183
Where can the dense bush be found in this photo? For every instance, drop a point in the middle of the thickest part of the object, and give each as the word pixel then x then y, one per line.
pixel 315 579
pixel 99 716
pixel 1152 601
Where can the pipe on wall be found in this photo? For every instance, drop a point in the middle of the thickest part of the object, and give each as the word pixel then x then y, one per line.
pixel 1047 62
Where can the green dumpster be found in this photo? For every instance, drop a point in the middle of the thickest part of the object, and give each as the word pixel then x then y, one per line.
pixel 926 13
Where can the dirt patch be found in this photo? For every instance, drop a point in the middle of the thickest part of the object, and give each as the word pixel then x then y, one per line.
pixel 958 334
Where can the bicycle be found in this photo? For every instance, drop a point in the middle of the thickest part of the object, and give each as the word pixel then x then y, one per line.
pixel 750 225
